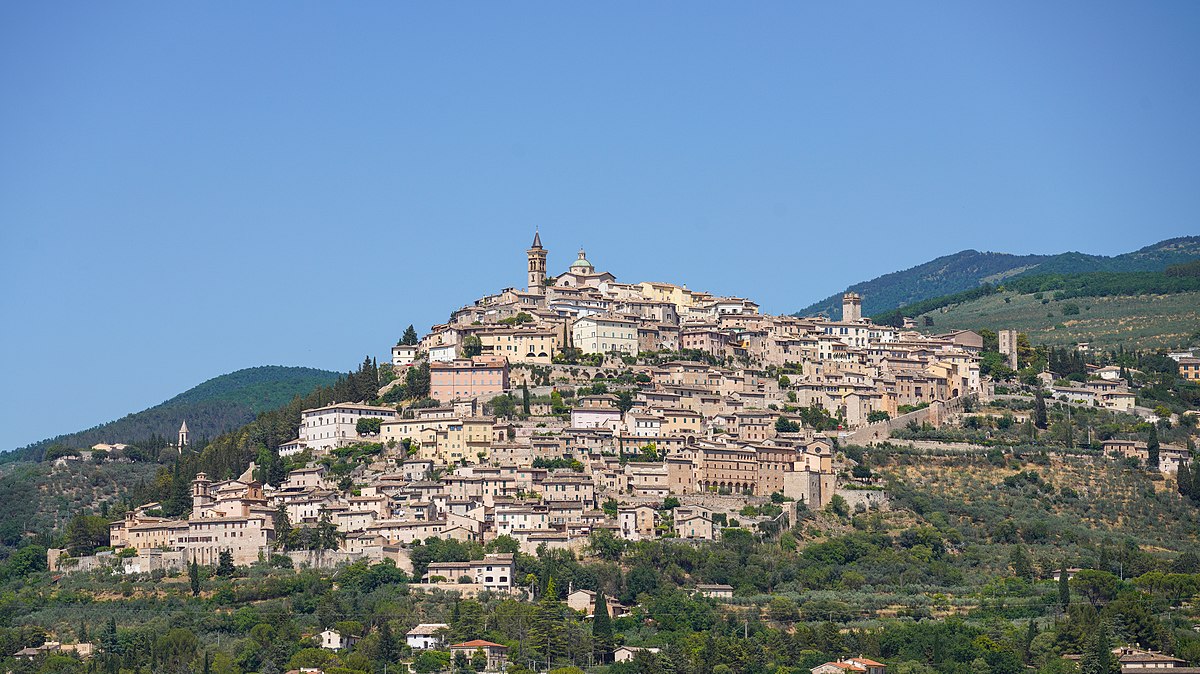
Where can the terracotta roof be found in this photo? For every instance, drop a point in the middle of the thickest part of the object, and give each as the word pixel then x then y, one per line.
pixel 846 666
pixel 477 643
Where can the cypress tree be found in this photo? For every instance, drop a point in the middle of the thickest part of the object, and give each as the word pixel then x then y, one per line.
pixel 1022 567
pixel 179 500
pixel 1152 448
pixel 1039 417
pixel 1195 490
pixel 194 577
pixel 525 398
pixel 1098 659
pixel 548 629
pixel 283 528
pixel 602 630
pixel 387 643
pixel 108 638
pixel 225 566
pixel 327 532
pixel 1030 633
pixel 1183 480
pixel 1064 588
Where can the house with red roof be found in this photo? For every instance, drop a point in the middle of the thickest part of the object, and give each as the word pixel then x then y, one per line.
pixel 497 655
pixel 859 665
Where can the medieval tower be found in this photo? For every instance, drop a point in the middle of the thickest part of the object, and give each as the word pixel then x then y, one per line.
pixel 537 265
pixel 851 308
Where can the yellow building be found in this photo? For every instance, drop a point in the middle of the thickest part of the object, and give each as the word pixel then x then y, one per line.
pixel 445 440
pixel 1189 368
pixel 520 345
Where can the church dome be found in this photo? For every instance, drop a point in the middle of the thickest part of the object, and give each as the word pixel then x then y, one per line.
pixel 582 264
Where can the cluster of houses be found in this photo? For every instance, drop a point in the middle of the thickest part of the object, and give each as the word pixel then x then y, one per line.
pixel 698 431
pixel 712 434
pixel 849 364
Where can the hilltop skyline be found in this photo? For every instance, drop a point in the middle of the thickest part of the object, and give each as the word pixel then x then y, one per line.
pixel 184 189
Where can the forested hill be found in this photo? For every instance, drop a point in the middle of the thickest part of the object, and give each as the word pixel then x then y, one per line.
pixel 969 268
pixel 216 406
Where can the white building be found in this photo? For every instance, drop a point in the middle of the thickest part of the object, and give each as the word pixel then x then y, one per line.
pixel 403 355
pixel 334 640
pixel 427 635
pixel 333 426
pixel 443 353
pixel 628 653
pixel 605 333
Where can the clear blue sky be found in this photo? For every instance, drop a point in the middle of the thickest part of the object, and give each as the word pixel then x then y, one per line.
pixel 191 188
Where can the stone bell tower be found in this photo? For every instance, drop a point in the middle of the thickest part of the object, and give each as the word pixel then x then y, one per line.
pixel 851 308
pixel 537 265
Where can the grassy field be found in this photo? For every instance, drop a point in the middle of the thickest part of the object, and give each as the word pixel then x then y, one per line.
pixel 1145 321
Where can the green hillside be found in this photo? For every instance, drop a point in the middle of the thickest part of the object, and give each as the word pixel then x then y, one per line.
pixel 1135 321
pixel 969 269
pixel 217 405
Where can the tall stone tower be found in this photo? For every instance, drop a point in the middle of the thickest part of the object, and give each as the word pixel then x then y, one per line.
pixel 183 437
pixel 851 308
pixel 201 497
pixel 537 265
pixel 1008 346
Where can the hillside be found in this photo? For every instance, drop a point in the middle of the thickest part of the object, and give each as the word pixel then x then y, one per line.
pixel 215 406
pixel 1135 321
pixel 969 268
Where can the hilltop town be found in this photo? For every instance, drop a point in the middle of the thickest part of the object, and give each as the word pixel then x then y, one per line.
pixel 577 405
pixel 581 418
pixel 573 405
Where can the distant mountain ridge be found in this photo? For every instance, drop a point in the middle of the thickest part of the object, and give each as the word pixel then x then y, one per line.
pixel 969 268
pixel 215 406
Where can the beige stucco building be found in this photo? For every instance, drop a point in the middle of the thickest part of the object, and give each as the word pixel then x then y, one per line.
pixel 466 378
pixel 605 333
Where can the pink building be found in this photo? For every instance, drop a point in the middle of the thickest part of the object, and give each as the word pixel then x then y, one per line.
pixel 704 339
pixel 466 378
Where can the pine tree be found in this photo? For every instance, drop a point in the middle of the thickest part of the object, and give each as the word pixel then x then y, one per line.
pixel 194 577
pixel 410 336
pixel 602 630
pixel 1064 588
pixel 1152 448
